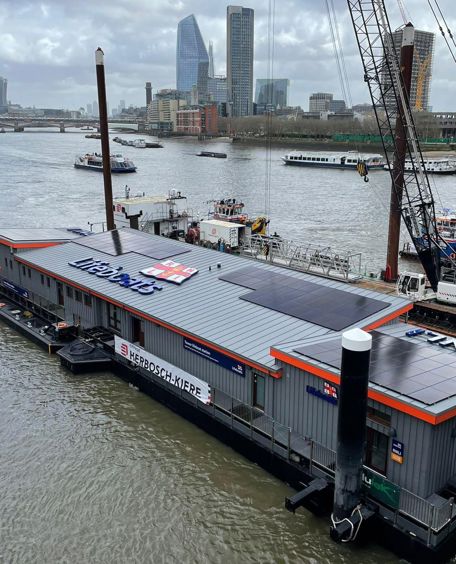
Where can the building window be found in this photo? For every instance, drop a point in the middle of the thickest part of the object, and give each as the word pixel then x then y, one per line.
pixel 42 280
pixel 259 391
pixel 114 317
pixel 6 262
pixel 88 300
pixel 376 455
pixel 69 292
pixel 23 270
pixel 78 295
pixel 29 272
pixel 48 282
pixel 378 416
pixel 11 264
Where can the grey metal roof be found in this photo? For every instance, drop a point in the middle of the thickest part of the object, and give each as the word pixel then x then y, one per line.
pixel 36 235
pixel 203 306
pixel 446 357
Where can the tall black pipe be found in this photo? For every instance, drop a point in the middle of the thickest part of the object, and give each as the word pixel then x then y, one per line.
pixel 102 107
pixel 351 424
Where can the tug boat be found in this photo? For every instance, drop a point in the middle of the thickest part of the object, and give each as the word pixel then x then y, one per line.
pixel 94 161
pixel 230 209
pixel 344 161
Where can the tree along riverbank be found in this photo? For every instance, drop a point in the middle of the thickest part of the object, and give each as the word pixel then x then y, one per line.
pixel 331 145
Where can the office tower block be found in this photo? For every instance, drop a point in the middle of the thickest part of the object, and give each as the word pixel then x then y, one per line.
pixel 239 60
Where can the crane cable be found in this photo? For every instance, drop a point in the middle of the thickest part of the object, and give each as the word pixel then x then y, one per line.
pixel 441 28
pixel 337 49
pixel 270 77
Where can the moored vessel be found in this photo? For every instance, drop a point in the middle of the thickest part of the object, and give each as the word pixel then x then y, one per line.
pixel 211 154
pixel 348 160
pixel 432 166
pixel 94 161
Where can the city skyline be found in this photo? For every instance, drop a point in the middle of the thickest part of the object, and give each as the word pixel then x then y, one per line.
pixel 50 63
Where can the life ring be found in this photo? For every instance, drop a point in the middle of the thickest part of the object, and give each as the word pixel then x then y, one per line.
pixel 61 325
pixel 453 256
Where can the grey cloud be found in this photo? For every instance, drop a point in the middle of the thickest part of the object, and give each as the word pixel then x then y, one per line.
pixel 47 49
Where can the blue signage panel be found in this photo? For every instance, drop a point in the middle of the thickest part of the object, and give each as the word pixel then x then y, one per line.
pixel 214 356
pixel 397 451
pixel 16 289
pixel 329 397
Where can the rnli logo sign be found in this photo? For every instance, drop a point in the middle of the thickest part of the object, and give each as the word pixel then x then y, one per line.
pixel 124 349
pixel 170 271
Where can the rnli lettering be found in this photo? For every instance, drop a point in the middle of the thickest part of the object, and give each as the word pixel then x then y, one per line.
pixel 164 370
pixel 114 274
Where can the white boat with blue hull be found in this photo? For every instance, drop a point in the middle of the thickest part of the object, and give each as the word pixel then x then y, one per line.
pixel 348 160
pixel 94 161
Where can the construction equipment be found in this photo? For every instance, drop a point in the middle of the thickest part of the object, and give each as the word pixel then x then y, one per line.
pixel 391 105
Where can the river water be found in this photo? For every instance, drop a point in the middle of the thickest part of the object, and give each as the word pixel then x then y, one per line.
pixel 91 470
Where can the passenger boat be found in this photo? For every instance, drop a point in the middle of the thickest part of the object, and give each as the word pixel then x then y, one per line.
pixel 139 144
pixel 432 166
pixel 348 160
pixel 94 161
pixel 211 154
pixel 93 136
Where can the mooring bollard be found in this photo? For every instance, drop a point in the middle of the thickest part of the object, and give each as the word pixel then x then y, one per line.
pixel 351 432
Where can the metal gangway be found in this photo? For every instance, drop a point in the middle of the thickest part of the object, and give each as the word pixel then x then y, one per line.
pixel 324 261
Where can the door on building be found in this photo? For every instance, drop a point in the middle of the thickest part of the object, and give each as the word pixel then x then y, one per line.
pixel 60 297
pixel 259 391
pixel 138 331
pixel 156 228
pixel 376 450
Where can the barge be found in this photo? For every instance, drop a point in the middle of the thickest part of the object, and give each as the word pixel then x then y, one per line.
pixel 251 353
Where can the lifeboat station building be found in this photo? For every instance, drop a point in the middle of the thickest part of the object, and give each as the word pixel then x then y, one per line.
pixel 251 352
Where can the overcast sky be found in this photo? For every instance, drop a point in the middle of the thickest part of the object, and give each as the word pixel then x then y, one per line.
pixel 47 48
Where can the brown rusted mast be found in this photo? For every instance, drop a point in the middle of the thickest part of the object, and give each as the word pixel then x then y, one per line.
pixel 397 187
pixel 99 63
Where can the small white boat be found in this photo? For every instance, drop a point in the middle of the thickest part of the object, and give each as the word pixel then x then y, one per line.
pixel 343 161
pixel 94 161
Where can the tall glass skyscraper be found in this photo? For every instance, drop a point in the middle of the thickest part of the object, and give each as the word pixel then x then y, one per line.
pixel 239 60
pixel 192 61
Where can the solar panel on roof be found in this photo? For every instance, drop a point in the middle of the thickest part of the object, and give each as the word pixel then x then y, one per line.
pixel 398 365
pixel 120 242
pixel 322 305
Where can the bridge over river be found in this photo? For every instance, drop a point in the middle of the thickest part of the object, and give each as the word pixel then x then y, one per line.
pixel 21 123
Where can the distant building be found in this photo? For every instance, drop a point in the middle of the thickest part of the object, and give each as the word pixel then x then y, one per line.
pixel 363 108
pixel 211 71
pixel 161 113
pixel 192 60
pixel 320 101
pixel 337 106
pixel 95 111
pixel 3 95
pixel 148 93
pixel 217 93
pixel 272 92
pixel 89 110
pixel 421 68
pixel 239 60
pixel 200 120
pixel 446 122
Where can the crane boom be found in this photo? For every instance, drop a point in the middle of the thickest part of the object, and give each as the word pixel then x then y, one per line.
pixel 391 104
